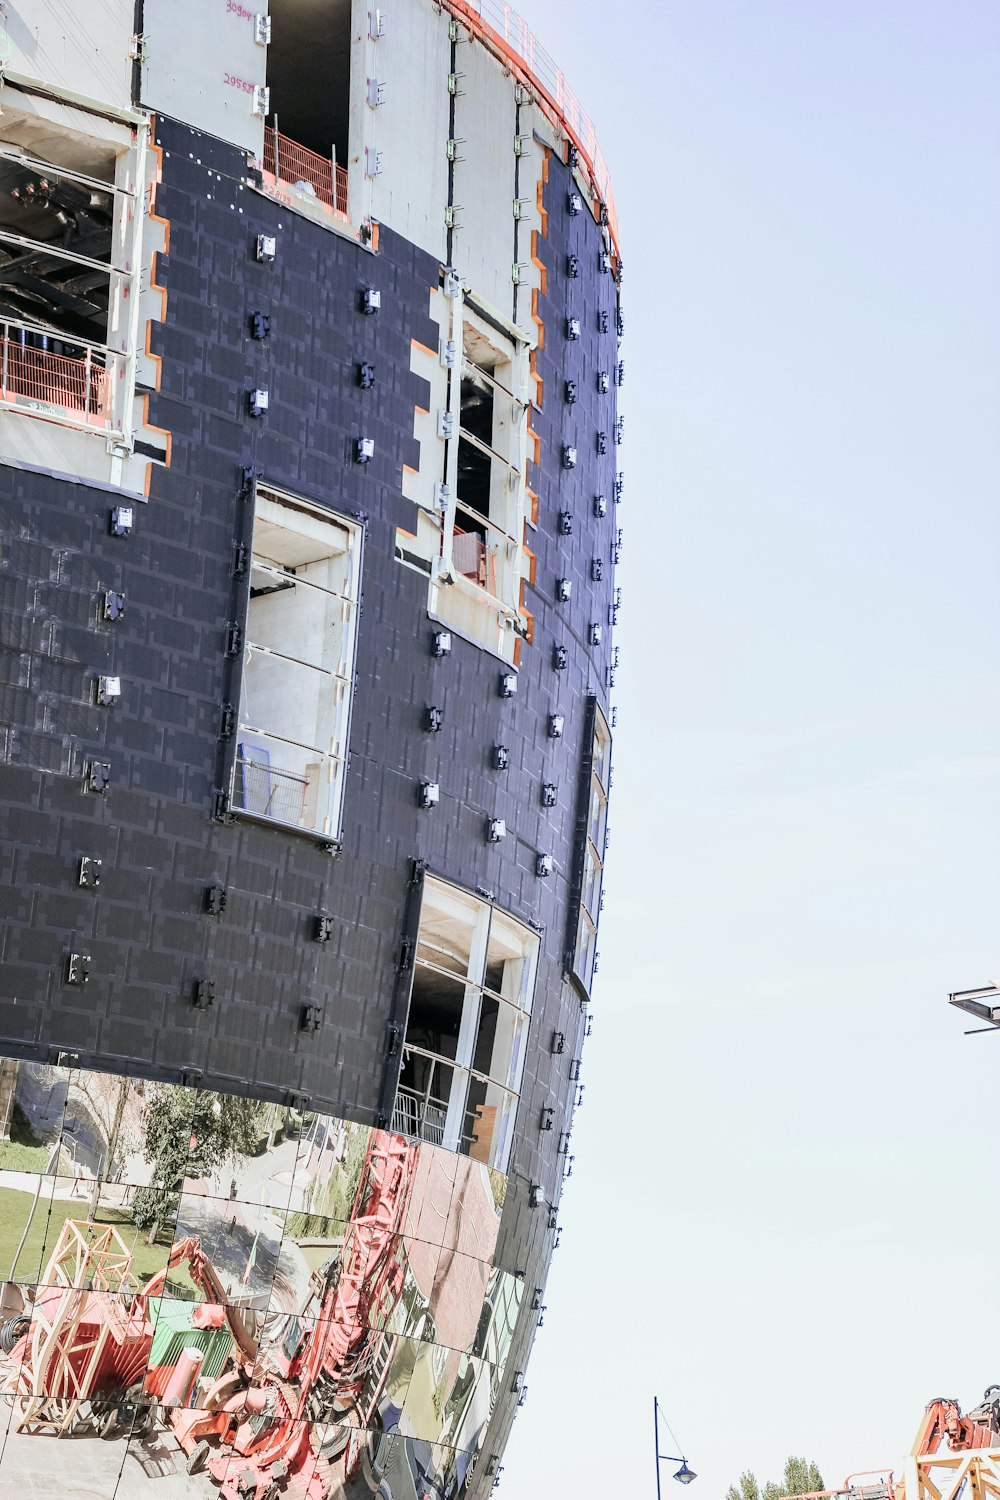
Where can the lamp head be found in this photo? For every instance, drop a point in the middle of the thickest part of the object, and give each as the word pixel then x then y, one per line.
pixel 685 1475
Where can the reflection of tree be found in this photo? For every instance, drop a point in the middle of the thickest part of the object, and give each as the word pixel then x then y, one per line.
pixel 106 1097
pixel 8 1085
pixel 332 1193
pixel 801 1477
pixel 191 1134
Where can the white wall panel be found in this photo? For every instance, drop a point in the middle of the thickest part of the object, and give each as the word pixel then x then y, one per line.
pixel 484 182
pixel 83 48
pixel 201 65
pixel 413 60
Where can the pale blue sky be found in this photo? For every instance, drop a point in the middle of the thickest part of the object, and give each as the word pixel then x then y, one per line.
pixel 784 1215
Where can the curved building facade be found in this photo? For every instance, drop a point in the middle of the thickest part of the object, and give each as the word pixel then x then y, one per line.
pixel 308 531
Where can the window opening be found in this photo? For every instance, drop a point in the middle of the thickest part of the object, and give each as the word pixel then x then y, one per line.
pixel 595 838
pixel 68 230
pixel 298 665
pixel 470 1005
pixel 481 533
pixel 308 74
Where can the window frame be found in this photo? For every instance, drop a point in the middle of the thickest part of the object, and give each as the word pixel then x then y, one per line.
pixel 583 915
pixel 234 706
pixel 505 1079
pixel 114 357
pixel 503 603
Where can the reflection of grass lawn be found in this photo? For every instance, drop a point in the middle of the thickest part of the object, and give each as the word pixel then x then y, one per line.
pixel 46 1225
pixel 15 1156
pixel 25 1151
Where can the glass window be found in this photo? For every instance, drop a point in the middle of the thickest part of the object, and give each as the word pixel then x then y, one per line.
pixel 298 665
pixel 585 951
pixel 470 1006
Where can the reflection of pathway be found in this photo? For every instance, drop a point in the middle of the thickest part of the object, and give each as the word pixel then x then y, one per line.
pixel 227 1231
pixel 259 1179
pixel 35 1468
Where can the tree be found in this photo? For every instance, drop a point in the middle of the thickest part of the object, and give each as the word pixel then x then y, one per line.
pixel 801 1477
pixel 191 1134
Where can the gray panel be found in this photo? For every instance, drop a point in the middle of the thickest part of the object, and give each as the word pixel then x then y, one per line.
pixel 201 65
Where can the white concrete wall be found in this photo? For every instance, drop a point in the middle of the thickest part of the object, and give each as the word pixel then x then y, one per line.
pixel 410 128
pixel 201 63
pixel 82 48
pixel 410 131
pixel 484 180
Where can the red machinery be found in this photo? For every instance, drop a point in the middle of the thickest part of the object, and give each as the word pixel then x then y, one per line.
pixel 943 1431
pixel 943 1419
pixel 332 1354
pixel 89 1335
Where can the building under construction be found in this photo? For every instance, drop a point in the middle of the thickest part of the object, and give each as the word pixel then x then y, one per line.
pixel 309 495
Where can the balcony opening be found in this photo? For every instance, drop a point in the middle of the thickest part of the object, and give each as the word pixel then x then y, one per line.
pixel 485 547
pixel 476 435
pixel 61 294
pixel 463 1050
pixel 472 542
pixel 432 1033
pixel 298 666
pixel 308 74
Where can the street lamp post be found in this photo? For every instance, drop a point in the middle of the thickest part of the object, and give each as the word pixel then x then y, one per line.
pixel 684 1474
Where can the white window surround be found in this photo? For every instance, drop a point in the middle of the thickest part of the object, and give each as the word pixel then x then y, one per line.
pixel 466 1034
pixel 476 576
pixel 48 367
pixel 298 665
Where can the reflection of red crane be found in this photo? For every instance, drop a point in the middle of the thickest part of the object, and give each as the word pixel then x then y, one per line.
pixel 204 1276
pixel 336 1363
pixel 323 1375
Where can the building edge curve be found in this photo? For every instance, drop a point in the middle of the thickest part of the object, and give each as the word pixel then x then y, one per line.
pixel 309 520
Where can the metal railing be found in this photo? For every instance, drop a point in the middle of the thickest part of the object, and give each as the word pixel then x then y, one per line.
pixel 516 41
pixel 76 384
pixel 269 792
pixel 297 167
pixel 415 1115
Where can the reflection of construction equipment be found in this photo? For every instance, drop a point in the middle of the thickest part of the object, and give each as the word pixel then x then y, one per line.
pixel 87 1339
pixel 332 1352
pixel 204 1276
pixel 952 1456
pixel 89 1335
pixel 352 1298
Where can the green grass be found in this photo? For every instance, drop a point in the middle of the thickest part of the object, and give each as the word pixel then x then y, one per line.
pixel 25 1151
pixel 14 1157
pixel 46 1225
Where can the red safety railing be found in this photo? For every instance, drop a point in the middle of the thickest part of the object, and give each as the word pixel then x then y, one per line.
pixel 78 385
pixel 296 166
